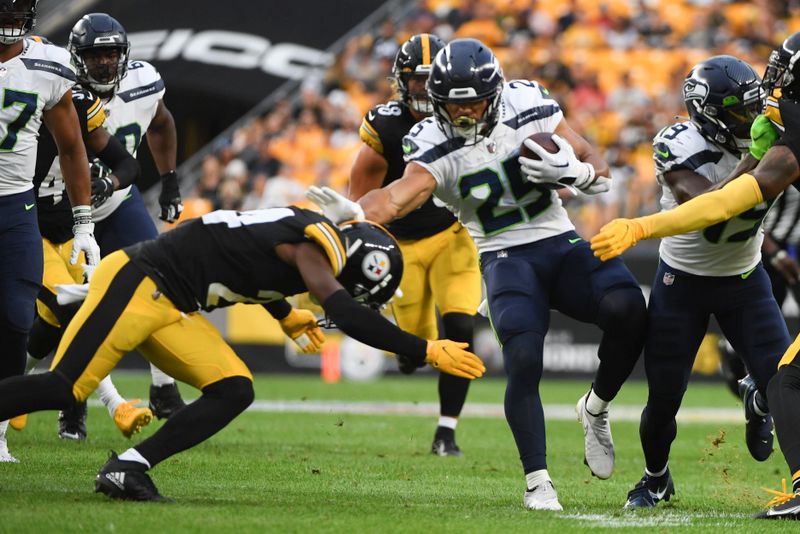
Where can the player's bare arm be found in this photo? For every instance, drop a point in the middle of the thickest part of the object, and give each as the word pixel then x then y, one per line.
pixel 400 197
pixel 583 149
pixel 686 184
pixel 367 173
pixel 777 170
pixel 62 121
pixel 162 139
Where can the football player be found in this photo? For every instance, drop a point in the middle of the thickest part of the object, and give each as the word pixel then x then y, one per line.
pixel 467 155
pixel 148 296
pixel 132 93
pixel 54 224
pixel 36 81
pixel 778 168
pixel 717 271
pixel 441 263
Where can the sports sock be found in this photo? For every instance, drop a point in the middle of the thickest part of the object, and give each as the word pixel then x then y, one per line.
pixel 536 478
pixel 448 422
pixel 594 404
pixel 759 406
pixel 159 377
pixel 132 455
pixel 783 394
pixel 658 473
pixel 109 395
pixel 453 389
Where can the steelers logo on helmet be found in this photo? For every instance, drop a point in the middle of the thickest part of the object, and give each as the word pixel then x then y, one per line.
pixel 374 264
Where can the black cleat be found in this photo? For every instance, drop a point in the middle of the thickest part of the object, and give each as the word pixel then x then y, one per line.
pixel 72 422
pixel 649 491
pixel 165 400
pixel 758 428
pixel 120 479
pixel 783 506
pixel 444 443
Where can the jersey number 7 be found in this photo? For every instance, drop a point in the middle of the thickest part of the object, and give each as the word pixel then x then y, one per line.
pixel 29 102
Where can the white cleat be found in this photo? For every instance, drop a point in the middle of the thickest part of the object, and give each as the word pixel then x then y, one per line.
pixel 598 444
pixel 542 497
pixel 5 456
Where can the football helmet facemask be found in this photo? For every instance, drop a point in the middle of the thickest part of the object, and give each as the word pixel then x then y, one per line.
pixel 783 69
pixel 413 60
pixel 99 48
pixel 374 264
pixel 466 71
pixel 723 96
pixel 17 18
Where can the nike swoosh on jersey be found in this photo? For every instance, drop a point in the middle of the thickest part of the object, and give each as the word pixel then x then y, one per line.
pixel 370 116
pixel 29 207
pixel 573 241
pixel 746 275
pixel 662 153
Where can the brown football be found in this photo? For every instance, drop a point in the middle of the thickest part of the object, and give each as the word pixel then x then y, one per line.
pixel 543 139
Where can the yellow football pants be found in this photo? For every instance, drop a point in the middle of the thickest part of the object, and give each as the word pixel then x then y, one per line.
pixel 124 311
pixel 57 270
pixel 440 270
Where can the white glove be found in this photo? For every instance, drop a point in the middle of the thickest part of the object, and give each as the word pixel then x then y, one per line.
pixel 69 293
pixel 556 170
pixel 83 230
pixel 334 206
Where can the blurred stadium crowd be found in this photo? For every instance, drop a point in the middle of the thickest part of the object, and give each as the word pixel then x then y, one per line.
pixel 615 66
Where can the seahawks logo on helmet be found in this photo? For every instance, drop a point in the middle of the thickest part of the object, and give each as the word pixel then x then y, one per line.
pixel 695 89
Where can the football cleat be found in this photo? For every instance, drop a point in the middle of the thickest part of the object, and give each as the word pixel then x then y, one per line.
pixel 782 506
pixel 5 456
pixel 649 491
pixel 72 422
pixel 19 422
pixel 598 444
pixel 120 479
pixel 758 428
pixel 542 497
pixel 165 400
pixel 444 443
pixel 130 419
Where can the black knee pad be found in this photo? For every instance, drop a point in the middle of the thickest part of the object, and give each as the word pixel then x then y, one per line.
pixel 623 309
pixel 43 338
pixel 237 390
pixel 459 327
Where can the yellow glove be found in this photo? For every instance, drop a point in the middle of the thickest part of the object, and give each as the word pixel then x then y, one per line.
pixel 301 327
pixel 616 237
pixel 451 358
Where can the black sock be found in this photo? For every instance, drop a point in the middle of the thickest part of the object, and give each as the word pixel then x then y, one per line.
pixel 453 389
pixel 783 394
pixel 219 404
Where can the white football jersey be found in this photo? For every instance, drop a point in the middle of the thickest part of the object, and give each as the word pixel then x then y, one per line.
pixel 128 115
pixel 31 83
pixel 482 184
pixel 729 248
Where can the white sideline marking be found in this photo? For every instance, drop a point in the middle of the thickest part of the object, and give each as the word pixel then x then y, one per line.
pixel 553 412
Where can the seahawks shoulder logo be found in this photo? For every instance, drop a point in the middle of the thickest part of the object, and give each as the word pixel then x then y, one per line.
pixel 409 146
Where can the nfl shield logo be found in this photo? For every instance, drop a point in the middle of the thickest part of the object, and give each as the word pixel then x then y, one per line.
pixel 668 279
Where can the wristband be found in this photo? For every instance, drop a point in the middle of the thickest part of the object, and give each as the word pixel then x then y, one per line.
pixel 82 215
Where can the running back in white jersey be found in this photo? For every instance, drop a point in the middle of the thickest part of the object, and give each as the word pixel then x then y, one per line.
pixel 128 115
pixel 729 248
pixel 31 83
pixel 482 184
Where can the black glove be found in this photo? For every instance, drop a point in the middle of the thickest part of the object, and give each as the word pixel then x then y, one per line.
pixel 102 185
pixel 406 365
pixel 170 197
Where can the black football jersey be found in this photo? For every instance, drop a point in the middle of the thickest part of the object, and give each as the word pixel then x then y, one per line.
pixel 383 129
pixel 228 256
pixel 53 206
pixel 790 119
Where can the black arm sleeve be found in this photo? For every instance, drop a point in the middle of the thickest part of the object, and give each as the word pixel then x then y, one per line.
pixel 278 309
pixel 122 164
pixel 367 326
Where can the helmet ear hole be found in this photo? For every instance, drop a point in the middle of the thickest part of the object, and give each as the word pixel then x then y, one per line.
pixel 374 264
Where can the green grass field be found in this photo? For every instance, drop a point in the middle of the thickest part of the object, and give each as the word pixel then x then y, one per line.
pixel 334 472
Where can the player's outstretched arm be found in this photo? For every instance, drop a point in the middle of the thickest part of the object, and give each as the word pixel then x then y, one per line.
pixel 367 173
pixel 367 325
pixel 62 121
pixel 162 138
pixel 399 197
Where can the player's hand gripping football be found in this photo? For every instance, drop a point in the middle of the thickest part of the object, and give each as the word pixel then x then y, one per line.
pixel 334 206
pixel 616 237
pixel 170 198
pixel 301 326
pixel 451 358
pixel 562 168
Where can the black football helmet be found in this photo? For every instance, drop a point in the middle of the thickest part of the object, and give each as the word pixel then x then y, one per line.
pixel 414 59
pixel 465 70
pixel 783 69
pixel 723 95
pixel 93 33
pixel 17 18
pixel 374 264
